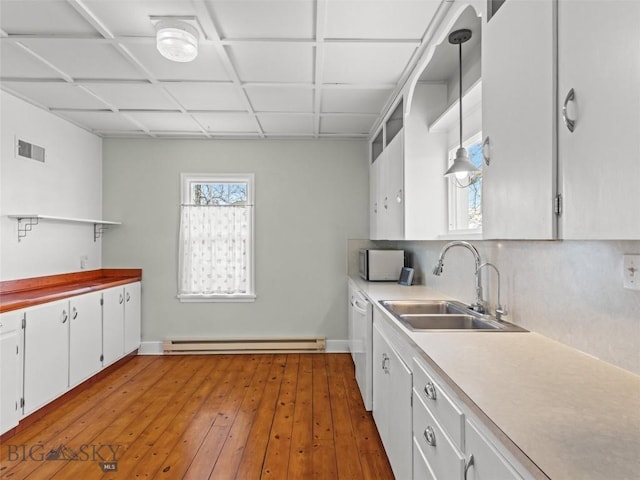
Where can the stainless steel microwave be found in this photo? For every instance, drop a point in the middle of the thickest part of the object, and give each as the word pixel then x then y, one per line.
pixel 381 265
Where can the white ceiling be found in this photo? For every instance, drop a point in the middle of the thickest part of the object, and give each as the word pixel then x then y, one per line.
pixel 266 68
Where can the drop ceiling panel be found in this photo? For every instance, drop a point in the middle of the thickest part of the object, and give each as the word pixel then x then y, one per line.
pixel 227 122
pixel 15 62
pixel 260 62
pixel 260 19
pixel 346 123
pixel 365 63
pixel 206 96
pixel 166 121
pixel 344 100
pixel 400 19
pixel 206 66
pixel 101 121
pixel 84 59
pixel 133 96
pixel 269 98
pixel 46 16
pixel 284 124
pixel 136 21
pixel 56 95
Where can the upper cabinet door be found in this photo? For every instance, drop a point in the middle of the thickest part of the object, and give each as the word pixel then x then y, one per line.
pixel 518 113
pixel 599 59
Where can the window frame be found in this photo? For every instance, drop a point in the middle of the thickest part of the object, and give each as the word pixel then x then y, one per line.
pixel 186 180
pixel 453 228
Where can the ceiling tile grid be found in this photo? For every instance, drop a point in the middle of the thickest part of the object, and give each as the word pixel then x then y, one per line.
pixel 265 68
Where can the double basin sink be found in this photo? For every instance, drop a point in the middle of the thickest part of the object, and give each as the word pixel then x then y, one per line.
pixel 444 315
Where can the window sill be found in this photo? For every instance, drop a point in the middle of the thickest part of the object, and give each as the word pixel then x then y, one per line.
pixel 244 298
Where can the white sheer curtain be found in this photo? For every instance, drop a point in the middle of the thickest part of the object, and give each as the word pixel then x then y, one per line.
pixel 214 250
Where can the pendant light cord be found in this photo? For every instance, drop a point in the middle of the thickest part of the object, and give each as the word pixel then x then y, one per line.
pixel 460 88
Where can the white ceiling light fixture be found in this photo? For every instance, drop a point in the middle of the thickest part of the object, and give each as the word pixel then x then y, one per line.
pixel 462 166
pixel 177 40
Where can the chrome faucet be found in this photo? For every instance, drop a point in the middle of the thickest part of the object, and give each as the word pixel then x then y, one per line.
pixel 478 306
pixel 500 310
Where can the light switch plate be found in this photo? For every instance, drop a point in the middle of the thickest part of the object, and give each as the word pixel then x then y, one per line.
pixel 632 272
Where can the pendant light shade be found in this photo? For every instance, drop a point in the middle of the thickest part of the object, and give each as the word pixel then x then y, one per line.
pixel 177 41
pixel 461 166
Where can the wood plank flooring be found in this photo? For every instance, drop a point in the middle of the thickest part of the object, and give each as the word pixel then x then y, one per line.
pixel 262 416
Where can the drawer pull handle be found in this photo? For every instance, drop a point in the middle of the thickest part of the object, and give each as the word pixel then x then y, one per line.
pixel 467 465
pixel 430 436
pixel 430 390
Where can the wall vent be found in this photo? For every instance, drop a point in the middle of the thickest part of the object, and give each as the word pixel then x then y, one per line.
pixel 28 150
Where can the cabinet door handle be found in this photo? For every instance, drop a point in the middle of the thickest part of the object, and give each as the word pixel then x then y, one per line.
pixel 385 363
pixel 65 317
pixel 570 123
pixel 74 313
pixel 486 150
pixel 121 299
pixel 468 465
pixel 430 436
pixel 430 390
pixel 128 297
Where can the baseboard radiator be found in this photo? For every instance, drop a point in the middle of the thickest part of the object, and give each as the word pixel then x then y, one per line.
pixel 244 345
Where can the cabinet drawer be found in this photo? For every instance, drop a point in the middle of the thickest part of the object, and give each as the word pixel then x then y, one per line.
pixel 488 463
pixel 444 458
pixel 421 468
pixel 442 407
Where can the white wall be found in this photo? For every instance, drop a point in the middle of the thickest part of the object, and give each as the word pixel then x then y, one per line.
pixel 68 184
pixel 570 291
pixel 311 196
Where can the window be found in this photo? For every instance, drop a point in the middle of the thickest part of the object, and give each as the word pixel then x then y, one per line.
pixel 465 204
pixel 216 238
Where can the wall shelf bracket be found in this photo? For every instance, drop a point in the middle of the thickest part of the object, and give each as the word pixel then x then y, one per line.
pixel 25 224
pixel 98 230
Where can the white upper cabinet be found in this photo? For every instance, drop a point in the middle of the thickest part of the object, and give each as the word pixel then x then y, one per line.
pixel 518 111
pixel 386 179
pixel 599 60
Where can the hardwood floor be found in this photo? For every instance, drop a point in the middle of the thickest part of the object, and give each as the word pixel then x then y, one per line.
pixel 269 416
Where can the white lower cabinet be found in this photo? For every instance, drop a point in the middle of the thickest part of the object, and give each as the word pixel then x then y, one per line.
pixel 132 317
pixel 46 354
pixel 10 369
pixel 112 324
pixel 488 463
pixel 392 404
pixel 62 344
pixel 85 337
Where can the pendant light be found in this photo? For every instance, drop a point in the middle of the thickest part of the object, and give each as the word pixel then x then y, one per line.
pixel 461 166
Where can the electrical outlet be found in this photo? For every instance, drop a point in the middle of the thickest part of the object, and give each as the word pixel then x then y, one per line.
pixel 632 272
pixel 84 259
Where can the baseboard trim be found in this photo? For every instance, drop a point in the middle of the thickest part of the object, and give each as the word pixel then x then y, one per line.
pixel 155 348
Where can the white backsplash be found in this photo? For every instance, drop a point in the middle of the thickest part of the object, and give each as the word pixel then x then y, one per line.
pixel 570 291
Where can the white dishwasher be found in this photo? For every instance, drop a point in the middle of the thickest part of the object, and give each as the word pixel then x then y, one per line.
pixel 361 344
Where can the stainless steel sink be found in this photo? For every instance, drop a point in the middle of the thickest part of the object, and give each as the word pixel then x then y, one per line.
pixel 422 307
pixel 444 315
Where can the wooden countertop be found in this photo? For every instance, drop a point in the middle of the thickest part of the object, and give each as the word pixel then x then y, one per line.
pixel 562 413
pixel 27 292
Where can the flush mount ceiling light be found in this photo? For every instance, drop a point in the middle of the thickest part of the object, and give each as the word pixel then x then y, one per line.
pixel 461 166
pixel 177 40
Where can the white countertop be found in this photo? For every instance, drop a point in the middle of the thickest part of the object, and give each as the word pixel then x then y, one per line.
pixel 572 415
